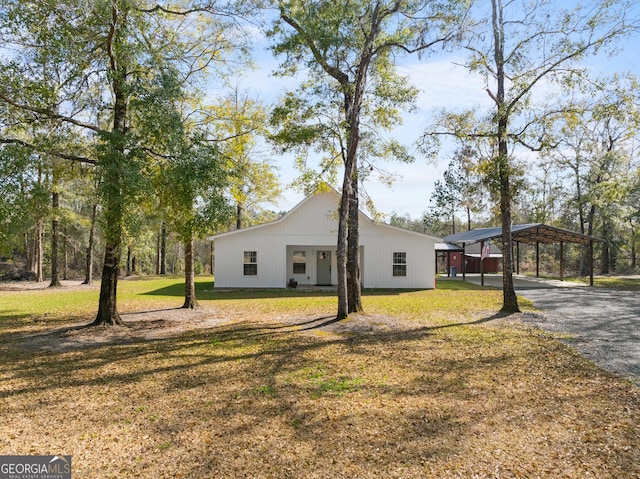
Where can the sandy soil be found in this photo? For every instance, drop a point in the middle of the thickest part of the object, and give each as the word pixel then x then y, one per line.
pixel 32 285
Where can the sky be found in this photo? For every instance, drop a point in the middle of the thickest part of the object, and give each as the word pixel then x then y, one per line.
pixel 449 86
pixel 442 83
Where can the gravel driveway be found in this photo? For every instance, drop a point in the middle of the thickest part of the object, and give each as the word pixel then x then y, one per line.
pixel 603 324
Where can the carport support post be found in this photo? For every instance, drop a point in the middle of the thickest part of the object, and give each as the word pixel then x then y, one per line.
pixel 590 263
pixel 537 259
pixel 464 262
pixel 481 261
pixel 561 260
pixel 517 257
pixel 448 265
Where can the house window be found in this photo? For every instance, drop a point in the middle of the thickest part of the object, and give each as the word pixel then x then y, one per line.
pixel 399 264
pixel 250 263
pixel 299 262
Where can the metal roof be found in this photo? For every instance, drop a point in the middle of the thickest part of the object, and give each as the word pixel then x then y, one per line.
pixel 448 247
pixel 529 233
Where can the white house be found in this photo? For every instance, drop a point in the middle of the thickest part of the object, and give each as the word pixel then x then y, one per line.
pixel 302 246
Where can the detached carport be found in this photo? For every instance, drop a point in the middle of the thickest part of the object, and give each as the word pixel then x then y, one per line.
pixel 532 234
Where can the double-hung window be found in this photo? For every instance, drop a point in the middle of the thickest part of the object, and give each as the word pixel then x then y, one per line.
pixel 299 262
pixel 400 264
pixel 250 263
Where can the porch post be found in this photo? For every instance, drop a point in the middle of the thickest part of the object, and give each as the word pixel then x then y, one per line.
pixel 537 259
pixel 561 260
pixel 517 257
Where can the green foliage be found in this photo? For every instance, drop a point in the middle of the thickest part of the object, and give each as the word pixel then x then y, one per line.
pixel 193 190
pixel 347 48
pixel 460 188
pixel 237 122
pixel 24 191
pixel 591 175
pixel 114 72
pixel 521 48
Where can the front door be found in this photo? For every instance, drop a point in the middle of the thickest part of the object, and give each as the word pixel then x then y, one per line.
pixel 323 274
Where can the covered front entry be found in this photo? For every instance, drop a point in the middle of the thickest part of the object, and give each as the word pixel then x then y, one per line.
pixel 311 265
pixel 314 265
pixel 323 268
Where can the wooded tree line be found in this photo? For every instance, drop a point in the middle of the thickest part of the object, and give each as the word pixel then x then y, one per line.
pixel 586 179
pixel 109 141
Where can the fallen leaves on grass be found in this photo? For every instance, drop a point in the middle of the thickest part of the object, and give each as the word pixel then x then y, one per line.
pixel 275 395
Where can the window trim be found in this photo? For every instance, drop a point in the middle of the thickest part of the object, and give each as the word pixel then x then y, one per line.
pixel 299 264
pixel 250 263
pixel 399 268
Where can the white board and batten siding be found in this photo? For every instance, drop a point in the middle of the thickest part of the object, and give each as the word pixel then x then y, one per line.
pixel 312 227
pixel 380 242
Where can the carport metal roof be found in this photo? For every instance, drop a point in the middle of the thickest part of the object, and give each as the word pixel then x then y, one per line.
pixel 533 233
pixel 448 247
pixel 530 233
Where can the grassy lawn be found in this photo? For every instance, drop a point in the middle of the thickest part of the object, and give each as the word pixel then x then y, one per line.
pixel 622 283
pixel 452 392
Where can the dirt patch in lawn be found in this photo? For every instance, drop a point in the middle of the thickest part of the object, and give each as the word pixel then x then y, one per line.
pixel 140 326
pixel 68 285
pixel 174 322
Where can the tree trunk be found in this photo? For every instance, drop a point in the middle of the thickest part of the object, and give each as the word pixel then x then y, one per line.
pixel 341 250
pixel 26 251
pixel 634 261
pixel 107 306
pixel 65 254
pixel 158 253
pixel 453 221
pixel 605 251
pixel 587 266
pixel 55 203
pixel 88 272
pixel 190 301
pixel 112 169
pixel 212 259
pixel 128 260
pixel 239 215
pixel 163 249
pixel 354 290
pixel 347 232
pixel 509 298
pixel 604 259
pixel 39 251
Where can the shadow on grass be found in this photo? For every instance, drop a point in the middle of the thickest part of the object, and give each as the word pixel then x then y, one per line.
pixel 399 400
pixel 205 290
pixel 7 315
pixel 90 356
